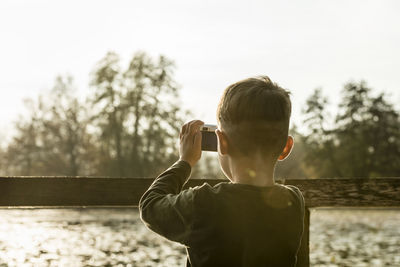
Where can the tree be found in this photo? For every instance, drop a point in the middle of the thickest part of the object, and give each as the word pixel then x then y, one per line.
pixel 362 143
pixel 352 128
pixel 65 140
pixel 161 115
pixel 319 142
pixel 106 80
pixel 132 129
pixel 53 140
pixel 23 155
pixel 383 138
pixel 139 114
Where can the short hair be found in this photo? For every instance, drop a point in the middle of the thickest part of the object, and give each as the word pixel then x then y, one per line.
pixel 255 114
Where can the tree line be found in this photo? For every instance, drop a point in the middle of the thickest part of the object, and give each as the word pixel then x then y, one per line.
pixel 361 141
pixel 129 127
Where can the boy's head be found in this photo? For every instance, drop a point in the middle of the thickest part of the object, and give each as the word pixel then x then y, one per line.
pixel 254 115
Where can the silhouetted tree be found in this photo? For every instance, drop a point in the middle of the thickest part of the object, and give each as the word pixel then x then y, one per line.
pixel 320 140
pixel 383 138
pixel 139 114
pixel 53 140
pixel 110 115
pixel 65 140
pixel 352 127
pixel 23 155
pixel 362 143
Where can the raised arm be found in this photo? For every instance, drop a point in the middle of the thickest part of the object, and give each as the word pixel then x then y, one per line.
pixel 164 208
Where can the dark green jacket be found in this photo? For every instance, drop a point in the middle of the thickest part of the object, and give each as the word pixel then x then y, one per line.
pixel 227 224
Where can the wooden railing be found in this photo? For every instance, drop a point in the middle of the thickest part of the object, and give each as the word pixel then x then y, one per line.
pixel 87 191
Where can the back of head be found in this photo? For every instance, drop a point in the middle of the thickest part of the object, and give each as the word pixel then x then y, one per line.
pixel 255 115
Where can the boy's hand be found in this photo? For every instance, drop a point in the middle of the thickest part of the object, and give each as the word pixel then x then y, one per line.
pixel 190 142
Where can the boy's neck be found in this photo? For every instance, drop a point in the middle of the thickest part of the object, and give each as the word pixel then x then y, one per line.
pixel 255 172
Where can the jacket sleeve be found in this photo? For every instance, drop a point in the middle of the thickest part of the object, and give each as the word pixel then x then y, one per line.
pixel 167 210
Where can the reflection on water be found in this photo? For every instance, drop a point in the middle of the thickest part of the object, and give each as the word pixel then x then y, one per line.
pixel 82 237
pixel 116 237
pixel 355 238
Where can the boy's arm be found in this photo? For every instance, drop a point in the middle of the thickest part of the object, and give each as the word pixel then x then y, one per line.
pixel 163 207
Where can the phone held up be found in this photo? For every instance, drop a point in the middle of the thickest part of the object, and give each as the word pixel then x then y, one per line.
pixel 208 137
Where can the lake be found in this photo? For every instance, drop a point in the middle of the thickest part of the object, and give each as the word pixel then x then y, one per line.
pixel 117 237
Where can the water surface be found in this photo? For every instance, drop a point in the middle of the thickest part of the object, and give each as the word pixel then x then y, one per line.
pixel 117 237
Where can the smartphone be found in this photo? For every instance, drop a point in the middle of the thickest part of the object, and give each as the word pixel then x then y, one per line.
pixel 208 137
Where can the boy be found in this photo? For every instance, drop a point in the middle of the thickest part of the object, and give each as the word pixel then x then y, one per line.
pixel 250 221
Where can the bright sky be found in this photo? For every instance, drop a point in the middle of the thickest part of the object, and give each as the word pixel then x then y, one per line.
pixel 299 44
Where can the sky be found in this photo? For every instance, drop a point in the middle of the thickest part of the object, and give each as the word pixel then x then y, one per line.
pixel 301 45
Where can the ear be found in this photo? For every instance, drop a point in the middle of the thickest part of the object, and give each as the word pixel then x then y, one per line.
pixel 287 149
pixel 222 142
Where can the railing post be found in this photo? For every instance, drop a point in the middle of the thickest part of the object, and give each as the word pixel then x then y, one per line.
pixel 303 255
